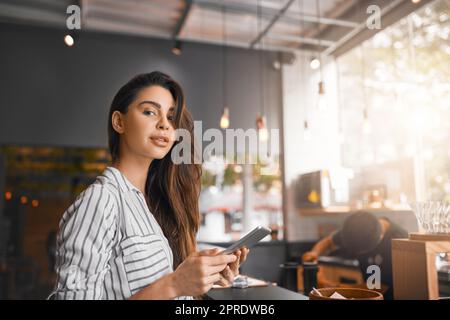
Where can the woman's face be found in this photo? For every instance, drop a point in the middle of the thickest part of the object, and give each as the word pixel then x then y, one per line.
pixel 147 129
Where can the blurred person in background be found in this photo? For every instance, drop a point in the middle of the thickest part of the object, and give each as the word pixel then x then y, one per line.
pixel 363 237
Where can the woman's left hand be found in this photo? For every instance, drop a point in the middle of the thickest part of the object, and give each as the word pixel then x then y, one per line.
pixel 232 269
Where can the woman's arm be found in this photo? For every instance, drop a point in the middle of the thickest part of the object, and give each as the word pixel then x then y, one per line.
pixel 85 239
pixel 165 288
pixel 193 277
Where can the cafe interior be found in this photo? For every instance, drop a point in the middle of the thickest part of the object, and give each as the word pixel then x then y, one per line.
pixel 349 99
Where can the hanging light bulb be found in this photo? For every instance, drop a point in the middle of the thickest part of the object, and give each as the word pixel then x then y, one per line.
pixel 262 128
pixel 321 88
pixel 367 126
pixel 177 49
pixel 225 119
pixel 306 132
pixel 322 103
pixel 315 63
pixel 69 40
pixel 263 134
pixel 321 99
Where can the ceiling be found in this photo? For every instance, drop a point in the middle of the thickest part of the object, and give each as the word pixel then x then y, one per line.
pixel 282 25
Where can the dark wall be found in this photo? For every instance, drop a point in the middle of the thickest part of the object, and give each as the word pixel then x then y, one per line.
pixel 54 95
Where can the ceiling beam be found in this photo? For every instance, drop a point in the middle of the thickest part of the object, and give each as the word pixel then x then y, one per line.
pixel 242 44
pixel 323 20
pixel 338 13
pixel 14 13
pixel 361 28
pixel 183 18
pixel 299 39
pixel 271 23
pixel 291 17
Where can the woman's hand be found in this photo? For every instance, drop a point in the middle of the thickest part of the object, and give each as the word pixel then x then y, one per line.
pixel 232 269
pixel 199 271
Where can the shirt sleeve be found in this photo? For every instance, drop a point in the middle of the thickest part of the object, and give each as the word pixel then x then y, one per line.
pixel 84 245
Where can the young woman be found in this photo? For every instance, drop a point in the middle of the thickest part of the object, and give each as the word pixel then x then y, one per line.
pixel 131 234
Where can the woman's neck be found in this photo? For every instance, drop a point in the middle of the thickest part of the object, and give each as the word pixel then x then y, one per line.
pixel 135 170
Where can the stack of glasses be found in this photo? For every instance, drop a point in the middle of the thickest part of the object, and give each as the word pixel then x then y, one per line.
pixel 433 216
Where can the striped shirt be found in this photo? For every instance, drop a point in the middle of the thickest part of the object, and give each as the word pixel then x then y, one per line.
pixel 109 245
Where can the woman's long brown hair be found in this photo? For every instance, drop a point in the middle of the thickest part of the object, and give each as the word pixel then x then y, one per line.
pixel 172 190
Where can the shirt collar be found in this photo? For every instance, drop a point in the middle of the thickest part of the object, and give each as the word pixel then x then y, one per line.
pixel 119 179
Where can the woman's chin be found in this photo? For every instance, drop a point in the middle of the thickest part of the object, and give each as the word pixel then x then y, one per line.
pixel 158 155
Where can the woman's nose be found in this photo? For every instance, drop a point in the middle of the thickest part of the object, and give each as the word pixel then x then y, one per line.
pixel 163 124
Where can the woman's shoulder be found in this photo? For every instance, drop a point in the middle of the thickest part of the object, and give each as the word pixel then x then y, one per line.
pixel 105 184
pixel 100 187
pixel 105 180
pixel 99 196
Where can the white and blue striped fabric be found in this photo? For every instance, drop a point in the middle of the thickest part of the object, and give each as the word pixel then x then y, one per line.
pixel 109 245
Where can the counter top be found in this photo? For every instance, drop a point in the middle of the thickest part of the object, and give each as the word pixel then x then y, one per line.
pixel 270 292
pixel 346 211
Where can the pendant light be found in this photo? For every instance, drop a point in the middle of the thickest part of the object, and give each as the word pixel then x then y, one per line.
pixel 177 48
pixel 306 130
pixel 314 63
pixel 322 103
pixel 261 123
pixel 69 39
pixel 366 126
pixel 225 118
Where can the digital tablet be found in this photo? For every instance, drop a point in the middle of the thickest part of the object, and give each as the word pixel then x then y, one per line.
pixel 248 240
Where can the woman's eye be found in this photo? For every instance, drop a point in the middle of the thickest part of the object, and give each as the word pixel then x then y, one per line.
pixel 149 113
pixel 171 118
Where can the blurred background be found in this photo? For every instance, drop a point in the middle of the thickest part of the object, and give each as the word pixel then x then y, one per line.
pixel 362 111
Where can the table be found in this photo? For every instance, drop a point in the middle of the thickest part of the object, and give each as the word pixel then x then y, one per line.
pixel 270 292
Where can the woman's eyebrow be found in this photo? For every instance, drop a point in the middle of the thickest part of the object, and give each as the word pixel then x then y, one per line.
pixel 156 104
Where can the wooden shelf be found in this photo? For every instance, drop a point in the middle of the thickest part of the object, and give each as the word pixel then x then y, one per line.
pixel 428 237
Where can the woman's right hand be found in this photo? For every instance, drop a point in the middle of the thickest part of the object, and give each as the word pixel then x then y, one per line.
pixel 199 271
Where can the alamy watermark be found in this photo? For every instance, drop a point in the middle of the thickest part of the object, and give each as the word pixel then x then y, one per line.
pixel 374 278
pixel 73 21
pixel 238 146
pixel 373 22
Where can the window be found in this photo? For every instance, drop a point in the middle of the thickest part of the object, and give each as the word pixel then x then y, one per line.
pixel 403 74
pixel 221 200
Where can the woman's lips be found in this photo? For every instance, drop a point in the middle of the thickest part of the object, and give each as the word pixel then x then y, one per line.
pixel 160 141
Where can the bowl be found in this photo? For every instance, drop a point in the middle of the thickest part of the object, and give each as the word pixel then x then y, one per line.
pixel 349 293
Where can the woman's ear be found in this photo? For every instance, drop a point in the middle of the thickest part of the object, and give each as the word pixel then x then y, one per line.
pixel 117 122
